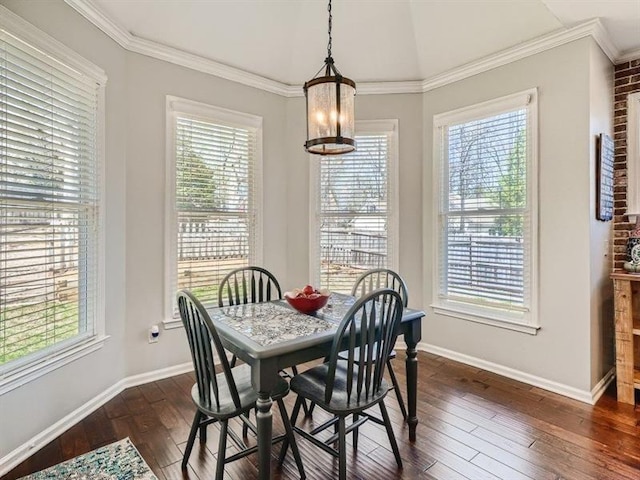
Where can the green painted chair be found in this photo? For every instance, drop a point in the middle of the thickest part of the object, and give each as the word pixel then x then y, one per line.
pixel 368 282
pixel 222 396
pixel 352 380
pixel 250 285
pixel 385 278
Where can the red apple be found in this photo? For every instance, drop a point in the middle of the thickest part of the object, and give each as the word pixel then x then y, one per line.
pixel 308 290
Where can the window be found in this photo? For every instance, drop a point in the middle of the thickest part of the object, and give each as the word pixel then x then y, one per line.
pixel 50 217
pixel 354 202
pixel 633 156
pixel 213 215
pixel 486 197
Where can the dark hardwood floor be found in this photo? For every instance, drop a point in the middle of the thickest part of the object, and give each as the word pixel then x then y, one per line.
pixel 474 425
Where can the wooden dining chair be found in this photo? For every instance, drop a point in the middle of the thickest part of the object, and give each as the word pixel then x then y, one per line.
pixel 385 278
pixel 222 396
pixel 367 282
pixel 246 285
pixel 352 383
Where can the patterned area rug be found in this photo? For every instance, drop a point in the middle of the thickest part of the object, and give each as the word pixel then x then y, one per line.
pixel 118 461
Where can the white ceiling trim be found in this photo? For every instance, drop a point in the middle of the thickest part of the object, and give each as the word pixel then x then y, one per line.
pixel 593 28
pixel 629 55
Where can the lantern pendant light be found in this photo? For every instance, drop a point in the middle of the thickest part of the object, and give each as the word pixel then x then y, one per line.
pixel 330 109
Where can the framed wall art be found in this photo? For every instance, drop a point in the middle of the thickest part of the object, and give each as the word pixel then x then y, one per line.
pixel 604 177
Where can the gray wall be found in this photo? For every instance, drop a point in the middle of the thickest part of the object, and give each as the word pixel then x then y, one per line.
pixel 30 409
pixel 601 290
pixel 561 351
pixel 149 81
pixel 569 349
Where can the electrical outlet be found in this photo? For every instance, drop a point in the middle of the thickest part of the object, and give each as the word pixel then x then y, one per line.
pixel 154 334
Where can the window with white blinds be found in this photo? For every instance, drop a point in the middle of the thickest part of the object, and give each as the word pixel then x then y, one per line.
pixel 215 160
pixel 354 222
pixel 50 173
pixel 486 234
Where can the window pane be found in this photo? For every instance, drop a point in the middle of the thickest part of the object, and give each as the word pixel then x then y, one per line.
pixel 487 163
pixel 214 202
pixel 485 217
pixel 353 213
pixel 49 193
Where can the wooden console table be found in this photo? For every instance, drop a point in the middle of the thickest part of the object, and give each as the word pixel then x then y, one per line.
pixel 626 289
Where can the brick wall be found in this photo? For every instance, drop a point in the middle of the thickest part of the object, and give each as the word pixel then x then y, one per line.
pixel 627 80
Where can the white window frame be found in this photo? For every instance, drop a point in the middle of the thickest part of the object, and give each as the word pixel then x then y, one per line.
pixel 527 320
pixel 633 156
pixel 363 127
pixel 176 106
pixel 49 359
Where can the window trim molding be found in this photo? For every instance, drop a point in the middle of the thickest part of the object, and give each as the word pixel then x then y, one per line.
pixel 528 321
pixel 389 126
pixel 208 113
pixel 53 358
pixel 633 156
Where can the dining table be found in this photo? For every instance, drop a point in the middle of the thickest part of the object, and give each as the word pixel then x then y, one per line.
pixel 272 336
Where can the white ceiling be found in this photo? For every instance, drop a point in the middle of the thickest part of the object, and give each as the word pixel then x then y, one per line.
pixel 373 40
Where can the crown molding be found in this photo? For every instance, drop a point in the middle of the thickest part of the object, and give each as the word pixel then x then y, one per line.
pixel 205 65
pixel 629 55
pixel 592 28
pixel 91 12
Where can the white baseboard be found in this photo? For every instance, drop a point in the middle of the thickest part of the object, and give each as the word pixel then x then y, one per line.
pixel 34 444
pixel 602 385
pixel 586 396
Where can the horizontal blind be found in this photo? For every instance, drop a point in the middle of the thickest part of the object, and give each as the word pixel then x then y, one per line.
pixel 485 216
pixel 214 203
pixel 49 197
pixel 353 210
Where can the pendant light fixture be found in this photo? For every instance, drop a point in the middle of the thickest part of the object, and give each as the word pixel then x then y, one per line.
pixel 330 109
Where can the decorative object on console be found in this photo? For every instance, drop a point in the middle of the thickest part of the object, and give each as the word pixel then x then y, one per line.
pixel 633 249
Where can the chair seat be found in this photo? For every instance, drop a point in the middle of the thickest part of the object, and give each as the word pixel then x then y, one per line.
pixel 248 396
pixel 312 385
pixel 356 354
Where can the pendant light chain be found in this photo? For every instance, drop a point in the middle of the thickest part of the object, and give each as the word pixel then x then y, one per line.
pixel 330 21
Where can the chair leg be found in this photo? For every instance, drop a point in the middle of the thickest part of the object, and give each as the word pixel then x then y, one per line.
pixel 342 449
pixel 355 432
pixel 245 428
pixel 294 370
pixel 233 361
pixel 390 434
pixel 396 387
pixel 203 434
pixel 290 436
pixel 285 442
pixel 222 445
pixel 312 405
pixel 192 438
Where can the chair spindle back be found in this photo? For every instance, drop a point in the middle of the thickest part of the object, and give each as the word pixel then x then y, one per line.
pixel 370 327
pixel 248 285
pixel 201 334
pixel 380 278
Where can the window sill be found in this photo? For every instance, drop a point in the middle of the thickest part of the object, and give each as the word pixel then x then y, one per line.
pixel 38 368
pixel 172 323
pixel 485 319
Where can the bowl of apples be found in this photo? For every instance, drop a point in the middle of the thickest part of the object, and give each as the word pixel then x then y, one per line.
pixel 307 299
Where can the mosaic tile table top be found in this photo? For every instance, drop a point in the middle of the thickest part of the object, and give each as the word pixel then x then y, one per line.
pixel 275 322
pixel 117 461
